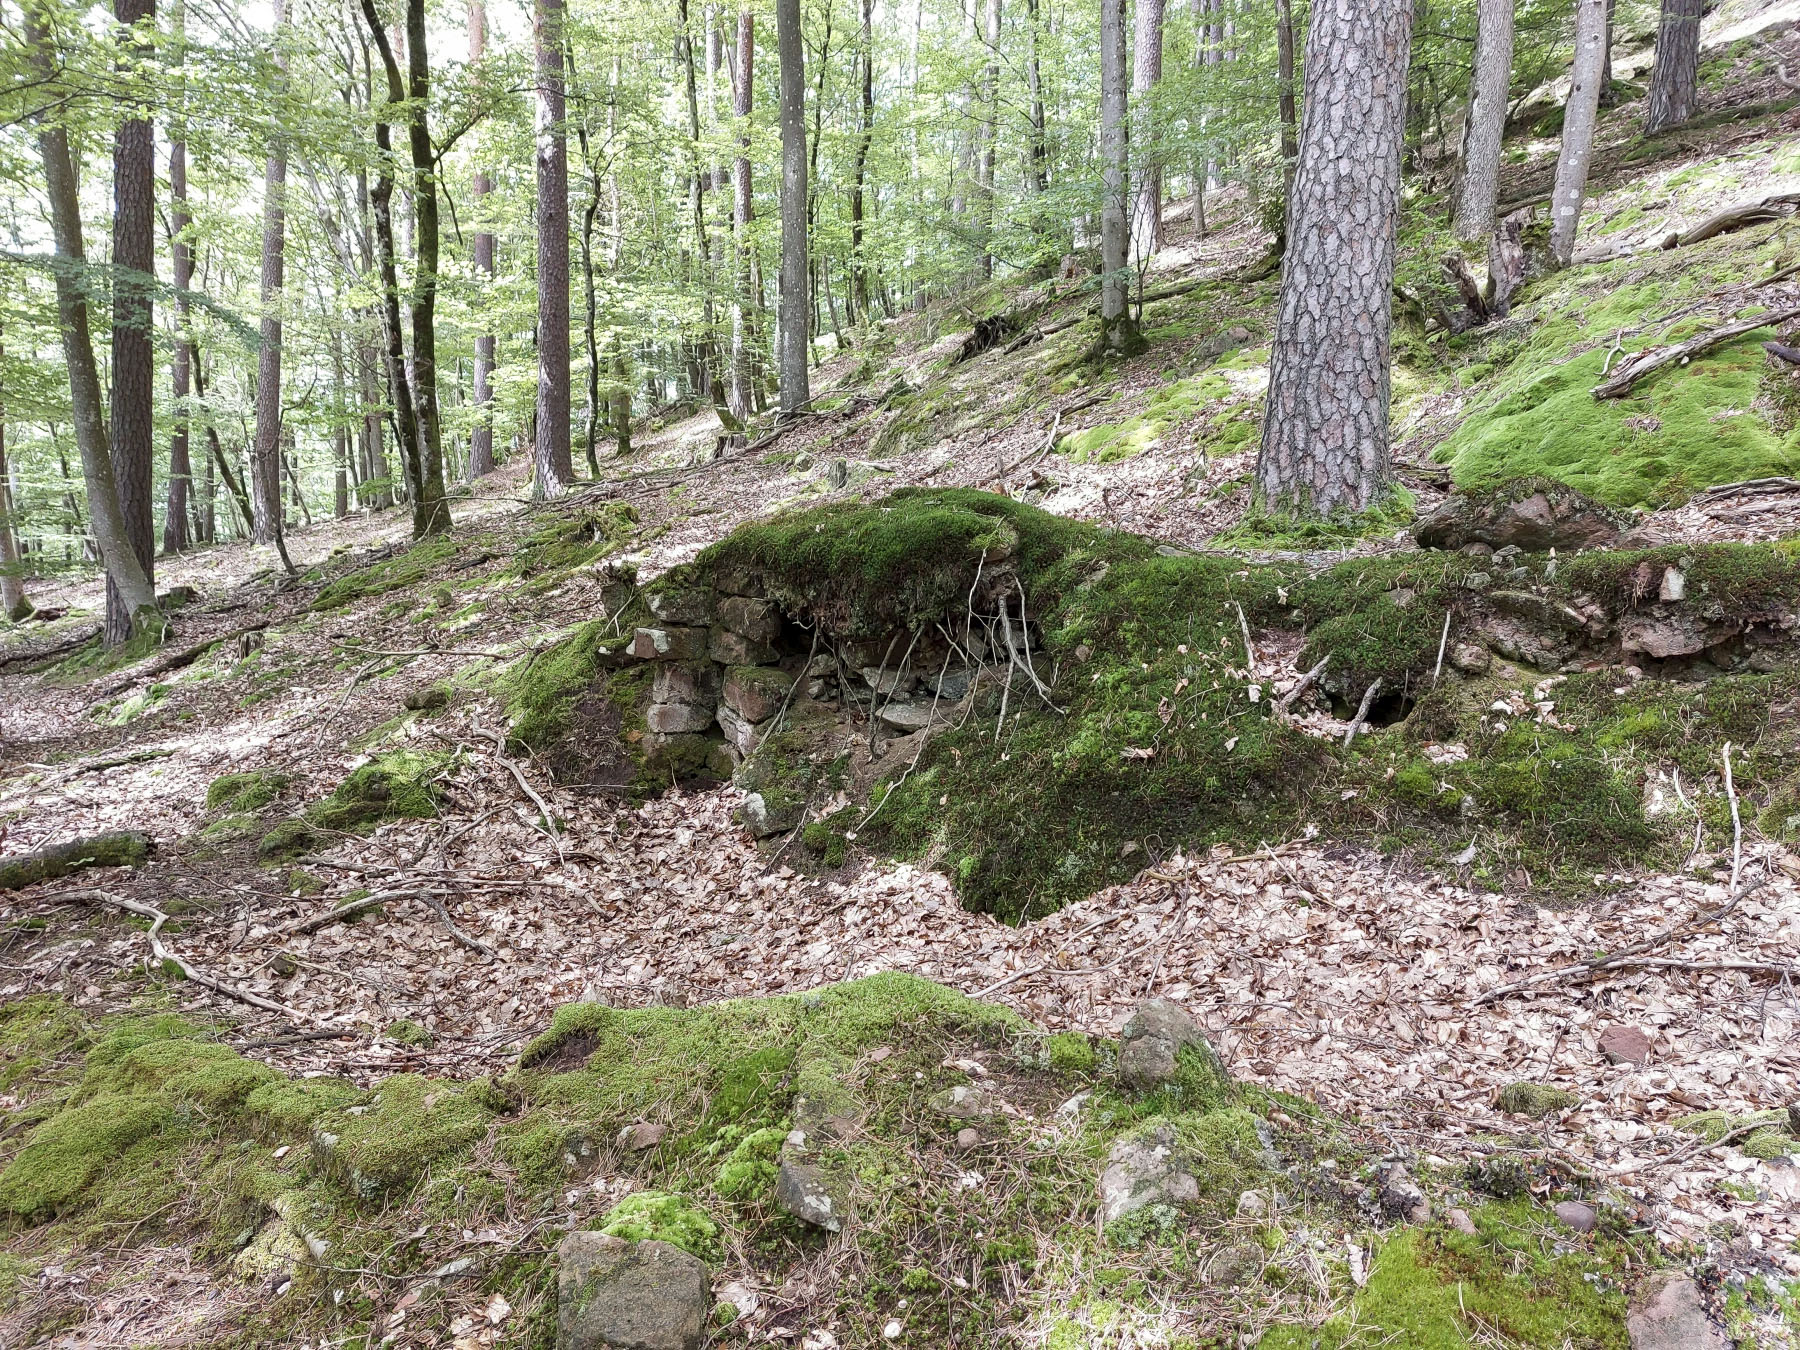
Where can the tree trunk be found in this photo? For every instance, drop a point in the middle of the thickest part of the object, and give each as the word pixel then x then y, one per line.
pixel 988 130
pixel 1290 113
pixel 1325 431
pixel 1487 120
pixel 1579 117
pixel 859 267
pixel 111 535
pixel 12 568
pixel 1608 98
pixel 791 318
pixel 1146 213
pixel 481 435
pixel 181 470
pixel 1675 76
pixel 591 430
pixel 239 495
pixel 340 429
pixel 1117 331
pixel 265 459
pixel 1037 178
pixel 431 508
pixel 743 397
pixel 552 468
pixel 133 365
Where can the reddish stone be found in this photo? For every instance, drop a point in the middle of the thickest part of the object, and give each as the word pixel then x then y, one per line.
pixel 1625 1045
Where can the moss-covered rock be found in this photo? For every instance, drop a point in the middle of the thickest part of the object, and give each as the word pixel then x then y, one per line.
pixel 249 791
pixel 1536 1100
pixel 396 786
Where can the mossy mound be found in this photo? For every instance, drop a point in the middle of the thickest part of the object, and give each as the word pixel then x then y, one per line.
pixel 565 542
pixel 397 786
pixel 249 791
pixel 404 570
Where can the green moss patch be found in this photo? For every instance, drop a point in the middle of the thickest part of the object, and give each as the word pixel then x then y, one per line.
pixel 565 542
pixel 396 786
pixel 249 791
pixel 400 571
pixel 1169 405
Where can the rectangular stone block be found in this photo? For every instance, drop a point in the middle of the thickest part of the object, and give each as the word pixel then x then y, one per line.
pixel 669 644
pixel 673 719
pixel 685 605
pixel 757 692
pixel 734 649
pixel 756 619
pixel 686 682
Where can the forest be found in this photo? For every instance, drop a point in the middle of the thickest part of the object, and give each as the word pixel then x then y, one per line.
pixel 938 673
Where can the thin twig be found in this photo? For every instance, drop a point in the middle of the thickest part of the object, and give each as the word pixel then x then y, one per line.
pixel 1737 825
pixel 1362 711
pixel 1443 642
pixel 1306 682
pixel 1249 651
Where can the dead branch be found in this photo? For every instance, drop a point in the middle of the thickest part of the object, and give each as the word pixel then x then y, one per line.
pixel 342 914
pixel 1778 207
pixel 1781 352
pixel 1306 682
pixel 1749 487
pixel 166 954
pixel 1362 711
pixel 443 913
pixel 45 653
pixel 1635 369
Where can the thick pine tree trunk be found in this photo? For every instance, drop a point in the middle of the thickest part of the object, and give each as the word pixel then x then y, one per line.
pixel 133 367
pixel 1487 119
pixel 553 469
pixel 1146 74
pixel 1579 116
pixel 742 399
pixel 795 305
pixel 107 521
pixel 265 457
pixel 1117 331
pixel 481 435
pixel 181 469
pixel 1325 431
pixel 1674 79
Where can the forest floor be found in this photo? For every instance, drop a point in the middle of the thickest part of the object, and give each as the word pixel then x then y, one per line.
pixel 1368 998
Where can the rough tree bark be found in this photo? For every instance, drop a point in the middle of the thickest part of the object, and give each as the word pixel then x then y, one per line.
pixel 795 307
pixel 1579 116
pixel 1325 433
pixel 1202 59
pixel 106 519
pixel 1118 333
pixel 181 469
pixel 1674 79
pixel 265 455
pixel 1608 99
pixel 133 366
pixel 1037 176
pixel 988 130
pixel 553 470
pixel 1146 74
pixel 742 398
pixel 481 436
pixel 1487 119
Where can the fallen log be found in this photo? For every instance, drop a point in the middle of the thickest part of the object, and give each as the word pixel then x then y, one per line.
pixel 123 848
pixel 1632 371
pixel 1778 207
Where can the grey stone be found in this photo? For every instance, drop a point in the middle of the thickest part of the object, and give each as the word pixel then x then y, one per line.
pixel 972 1101
pixel 954 684
pixel 686 682
pixel 1399 1194
pixel 669 643
pixel 1459 1220
pixel 617 1295
pixel 1534 515
pixel 967 1137
pixel 1657 632
pixel 1667 1314
pixel 1478 581
pixel 757 692
pixel 750 617
pixel 888 682
pixel 672 719
pixel 740 731
pixel 1471 658
pixel 1538 610
pixel 1150 1046
pixel 764 817
pixel 1240 1263
pixel 811 1193
pixel 1144 1170
pixel 1582 1218
pixel 734 649
pixel 683 605
pixel 1674 585
pixel 905 718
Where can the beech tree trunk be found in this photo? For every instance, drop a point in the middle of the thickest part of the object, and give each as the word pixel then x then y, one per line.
pixel 865 133
pixel 265 455
pixel 552 468
pixel 1289 110
pixel 1117 331
pixel 12 567
pixel 988 131
pixel 795 304
pixel 106 519
pixel 1579 116
pixel 431 508
pixel 1037 178
pixel 742 398
pixel 481 435
pixel 1146 73
pixel 1325 431
pixel 133 368
pixel 1674 79
pixel 181 469
pixel 1608 99
pixel 1487 119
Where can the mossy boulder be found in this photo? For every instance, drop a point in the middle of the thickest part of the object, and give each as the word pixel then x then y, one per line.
pixel 249 791
pixel 385 1145
pixel 1532 513
pixel 397 786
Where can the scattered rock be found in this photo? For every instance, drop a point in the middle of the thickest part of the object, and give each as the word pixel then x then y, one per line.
pixel 1150 1046
pixel 1459 1220
pixel 953 685
pixel 967 1137
pixel 1536 1100
pixel 1625 1045
pixel 765 816
pixel 1673 587
pixel 1572 1213
pixel 617 1295
pixel 428 700
pixel 905 718
pixel 1400 1196
pixel 1533 514
pixel 644 1135
pixel 973 1101
pixel 1660 634
pixel 1667 1314
pixel 811 1193
pixel 1240 1263
pixel 1145 1170
pixel 1471 658
pixel 1253 1204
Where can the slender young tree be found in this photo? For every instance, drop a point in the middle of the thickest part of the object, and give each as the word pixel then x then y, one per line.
pixel 1674 79
pixel 795 308
pixel 107 521
pixel 552 467
pixel 1285 102
pixel 265 456
pixel 181 469
pixel 1325 432
pixel 743 400
pixel 1146 74
pixel 988 131
pixel 1487 119
pixel 1579 117
pixel 481 436
pixel 133 367
pixel 1118 332
pixel 1608 97
pixel 865 135
pixel 13 602
pixel 431 508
